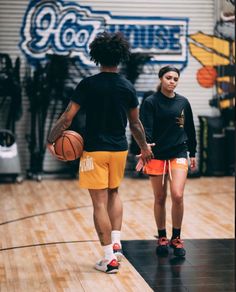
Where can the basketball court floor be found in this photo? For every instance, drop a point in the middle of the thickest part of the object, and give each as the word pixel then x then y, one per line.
pixel 48 241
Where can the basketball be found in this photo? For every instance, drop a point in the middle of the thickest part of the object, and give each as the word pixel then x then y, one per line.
pixel 70 145
pixel 206 76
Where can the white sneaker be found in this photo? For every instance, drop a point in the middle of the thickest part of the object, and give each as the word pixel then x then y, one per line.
pixel 118 251
pixel 105 266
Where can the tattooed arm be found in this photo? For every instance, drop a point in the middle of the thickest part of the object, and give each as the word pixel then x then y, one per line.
pixel 63 122
pixel 137 131
pixel 61 125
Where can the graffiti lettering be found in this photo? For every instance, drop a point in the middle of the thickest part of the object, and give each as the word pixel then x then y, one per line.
pixel 60 32
pixel 54 27
pixel 153 37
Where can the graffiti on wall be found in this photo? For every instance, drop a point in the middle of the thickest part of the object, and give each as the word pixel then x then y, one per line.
pixel 216 54
pixel 57 27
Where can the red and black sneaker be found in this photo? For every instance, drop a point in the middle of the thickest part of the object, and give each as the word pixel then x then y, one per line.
pixel 118 251
pixel 178 245
pixel 162 246
pixel 105 266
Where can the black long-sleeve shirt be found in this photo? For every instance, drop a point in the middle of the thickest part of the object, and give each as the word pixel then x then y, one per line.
pixel 168 122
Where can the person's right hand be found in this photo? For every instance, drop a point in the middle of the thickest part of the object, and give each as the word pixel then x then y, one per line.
pixel 52 151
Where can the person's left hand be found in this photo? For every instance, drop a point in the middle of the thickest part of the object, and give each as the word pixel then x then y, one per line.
pixel 193 163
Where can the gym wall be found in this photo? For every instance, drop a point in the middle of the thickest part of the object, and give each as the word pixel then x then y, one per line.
pixel 185 22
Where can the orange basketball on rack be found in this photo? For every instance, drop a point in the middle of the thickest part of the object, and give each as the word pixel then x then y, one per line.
pixel 70 145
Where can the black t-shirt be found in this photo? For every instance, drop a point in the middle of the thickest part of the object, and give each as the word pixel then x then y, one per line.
pixel 168 122
pixel 106 97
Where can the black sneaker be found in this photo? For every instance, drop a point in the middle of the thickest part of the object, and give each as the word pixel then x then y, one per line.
pixel 162 246
pixel 178 245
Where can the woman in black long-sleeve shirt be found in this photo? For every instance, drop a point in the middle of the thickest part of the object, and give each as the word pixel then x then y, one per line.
pixel 168 122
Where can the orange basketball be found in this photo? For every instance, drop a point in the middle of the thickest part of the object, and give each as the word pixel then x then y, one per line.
pixel 70 145
pixel 206 76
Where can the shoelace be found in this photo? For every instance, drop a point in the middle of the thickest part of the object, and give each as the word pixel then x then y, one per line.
pixel 178 242
pixel 163 241
pixel 164 170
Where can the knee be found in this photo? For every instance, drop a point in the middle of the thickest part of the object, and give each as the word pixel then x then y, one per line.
pixel 99 206
pixel 112 192
pixel 177 198
pixel 160 199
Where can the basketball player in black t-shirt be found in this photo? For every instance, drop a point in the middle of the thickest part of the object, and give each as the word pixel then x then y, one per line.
pixel 168 122
pixel 108 99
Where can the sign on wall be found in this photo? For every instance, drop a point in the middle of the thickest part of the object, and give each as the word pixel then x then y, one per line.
pixel 56 27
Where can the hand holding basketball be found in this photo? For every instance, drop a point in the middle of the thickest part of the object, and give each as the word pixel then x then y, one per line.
pixel 69 146
pixel 52 151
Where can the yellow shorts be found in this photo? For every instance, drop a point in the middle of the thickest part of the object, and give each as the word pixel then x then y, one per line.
pixel 102 169
pixel 160 167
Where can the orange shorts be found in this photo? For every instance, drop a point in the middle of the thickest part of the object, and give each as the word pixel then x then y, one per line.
pixel 160 167
pixel 102 169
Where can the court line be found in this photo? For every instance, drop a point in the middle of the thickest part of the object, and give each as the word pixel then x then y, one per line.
pixel 46 244
pixel 42 214
pixel 80 207
pixel 60 210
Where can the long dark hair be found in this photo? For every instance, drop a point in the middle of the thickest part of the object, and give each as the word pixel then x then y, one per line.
pixel 164 70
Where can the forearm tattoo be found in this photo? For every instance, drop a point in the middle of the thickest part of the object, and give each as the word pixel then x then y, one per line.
pixel 138 133
pixel 61 125
pixel 68 107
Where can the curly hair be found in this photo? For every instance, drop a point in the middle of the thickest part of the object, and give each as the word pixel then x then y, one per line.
pixel 109 49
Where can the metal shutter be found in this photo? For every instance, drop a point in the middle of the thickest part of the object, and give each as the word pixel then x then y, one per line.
pixel 201 14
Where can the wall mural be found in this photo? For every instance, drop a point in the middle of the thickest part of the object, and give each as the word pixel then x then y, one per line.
pixel 216 53
pixel 56 27
pixel 56 34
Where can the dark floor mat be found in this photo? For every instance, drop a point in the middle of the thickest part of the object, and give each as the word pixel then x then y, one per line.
pixel 207 267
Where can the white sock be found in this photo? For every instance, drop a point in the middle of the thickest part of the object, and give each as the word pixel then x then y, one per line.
pixel 115 236
pixel 108 251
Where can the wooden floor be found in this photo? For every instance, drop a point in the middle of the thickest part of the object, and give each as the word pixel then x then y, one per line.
pixel 48 241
